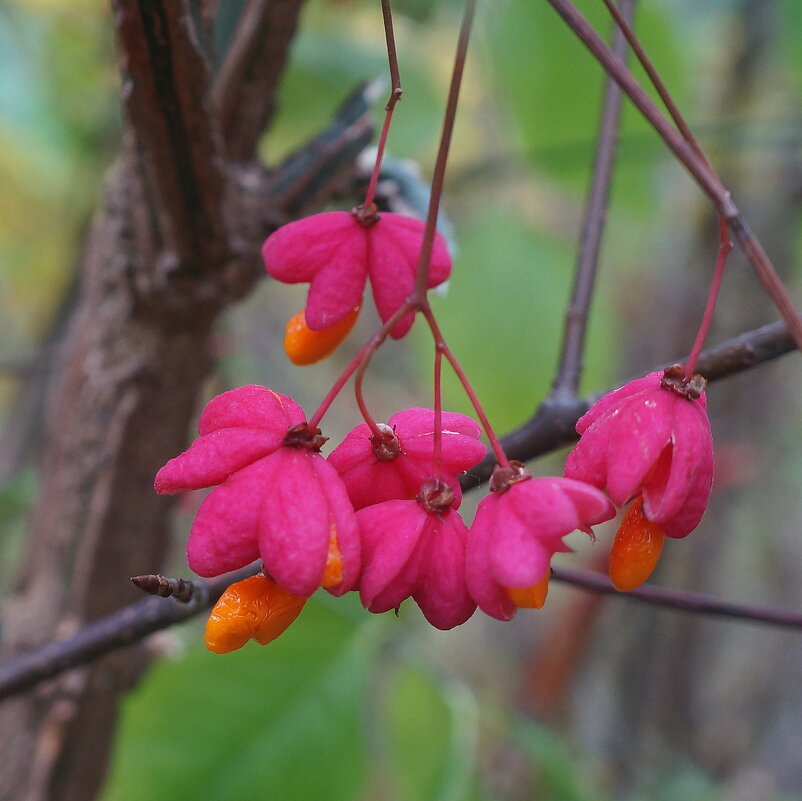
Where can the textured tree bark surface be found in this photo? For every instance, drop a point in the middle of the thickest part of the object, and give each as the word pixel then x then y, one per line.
pixel 125 390
pixel 175 242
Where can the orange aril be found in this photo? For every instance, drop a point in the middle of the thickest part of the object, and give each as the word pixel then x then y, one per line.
pixel 254 608
pixel 333 572
pixel 636 549
pixel 305 346
pixel 530 597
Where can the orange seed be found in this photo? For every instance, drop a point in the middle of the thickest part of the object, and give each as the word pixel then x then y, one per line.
pixel 636 549
pixel 255 607
pixel 530 597
pixel 305 346
pixel 333 572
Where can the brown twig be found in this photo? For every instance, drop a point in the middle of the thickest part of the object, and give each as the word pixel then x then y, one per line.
pixel 157 584
pixel 117 630
pixel 439 174
pixel 552 426
pixel 133 623
pixel 566 382
pixel 696 166
pixel 245 88
pixel 694 602
pixel 626 28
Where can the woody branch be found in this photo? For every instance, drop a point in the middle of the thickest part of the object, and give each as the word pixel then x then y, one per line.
pixel 550 430
pixel 696 165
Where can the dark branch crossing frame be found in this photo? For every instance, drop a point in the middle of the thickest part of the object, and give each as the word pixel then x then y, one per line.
pixel 550 429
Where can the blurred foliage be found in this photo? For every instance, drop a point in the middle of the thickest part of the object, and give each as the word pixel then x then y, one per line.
pixel 560 780
pixel 57 130
pixel 347 706
pixel 205 727
pixel 322 713
pixel 531 40
pixel 537 274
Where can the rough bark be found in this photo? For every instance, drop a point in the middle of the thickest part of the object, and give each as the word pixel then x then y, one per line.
pixel 161 262
pixel 245 89
pixel 119 407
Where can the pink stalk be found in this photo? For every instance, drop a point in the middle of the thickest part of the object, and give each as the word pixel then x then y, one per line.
pixel 417 300
pixel 361 361
pixel 314 421
pixel 438 408
pixel 395 96
pixel 438 177
pixel 725 246
pixel 374 176
pixel 443 348
pixel 360 398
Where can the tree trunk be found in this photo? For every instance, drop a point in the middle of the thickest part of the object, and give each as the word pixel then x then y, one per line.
pixel 176 241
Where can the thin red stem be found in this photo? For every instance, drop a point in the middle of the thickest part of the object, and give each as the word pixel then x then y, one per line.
pixel 360 397
pixel 366 354
pixel 724 248
pixel 417 300
pixel 314 421
pixel 704 175
pixel 395 96
pixel 662 90
pixel 442 347
pixel 359 361
pixel 374 176
pixel 392 56
pixel 438 177
pixel 437 445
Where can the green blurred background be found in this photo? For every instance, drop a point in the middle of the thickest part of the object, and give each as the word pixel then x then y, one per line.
pixel 590 699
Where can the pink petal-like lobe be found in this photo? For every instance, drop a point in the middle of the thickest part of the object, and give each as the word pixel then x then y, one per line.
pixel 389 532
pixel 645 440
pixel 297 520
pixel 251 406
pixel 408 552
pixel 223 536
pixel 612 399
pixel 442 592
pixel 516 533
pixel 296 252
pixel 483 587
pixel 339 285
pixel 212 459
pixel 370 480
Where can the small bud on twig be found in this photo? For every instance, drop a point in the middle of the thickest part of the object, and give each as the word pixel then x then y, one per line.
pixel 156 584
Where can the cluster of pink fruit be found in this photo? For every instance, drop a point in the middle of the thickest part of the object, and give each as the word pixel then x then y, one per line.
pixel 380 514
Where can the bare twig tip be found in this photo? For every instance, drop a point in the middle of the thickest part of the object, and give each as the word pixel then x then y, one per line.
pixel 156 584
